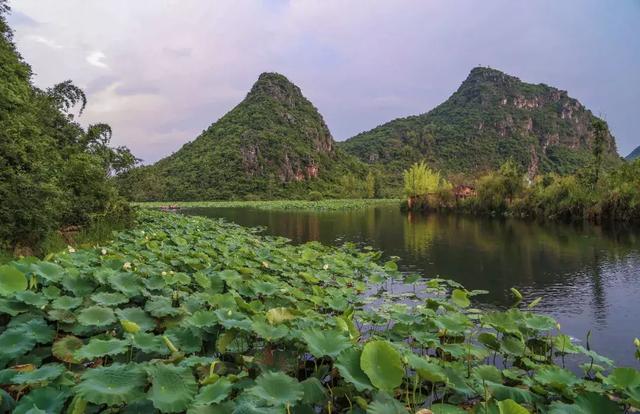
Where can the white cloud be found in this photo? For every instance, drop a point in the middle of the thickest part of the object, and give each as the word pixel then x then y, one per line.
pixel 96 58
pixel 43 40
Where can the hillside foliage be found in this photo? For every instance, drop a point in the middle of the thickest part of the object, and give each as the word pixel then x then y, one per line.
pixel 274 144
pixel 491 118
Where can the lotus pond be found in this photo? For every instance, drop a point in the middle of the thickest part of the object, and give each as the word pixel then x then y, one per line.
pixel 189 314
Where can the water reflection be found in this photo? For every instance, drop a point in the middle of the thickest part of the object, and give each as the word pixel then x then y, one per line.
pixel 587 275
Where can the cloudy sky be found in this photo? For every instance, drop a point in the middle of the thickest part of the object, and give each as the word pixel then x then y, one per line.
pixel 160 72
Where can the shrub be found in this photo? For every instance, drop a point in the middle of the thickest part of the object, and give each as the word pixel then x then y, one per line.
pixel 314 196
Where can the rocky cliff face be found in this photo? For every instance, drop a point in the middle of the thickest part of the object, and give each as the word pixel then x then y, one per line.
pixel 490 118
pixel 273 144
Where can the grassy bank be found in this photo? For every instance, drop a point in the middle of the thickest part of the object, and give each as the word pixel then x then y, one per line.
pixel 321 205
pixel 198 315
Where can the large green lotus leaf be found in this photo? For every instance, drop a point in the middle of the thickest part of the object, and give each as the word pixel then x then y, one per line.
pixel 32 298
pixel 383 365
pixel 65 348
pixel 96 316
pixel 447 409
pixel 264 288
pixel 540 322
pixel 231 319
pixel 187 340
pixel 14 342
pixel 79 286
pixel 137 316
pixel 587 403
pixel 460 298
pixel 62 316
pixel 11 280
pixel 513 345
pixel 112 385
pixel 66 303
pixel 12 307
pixel 427 370
pixel 160 306
pixel 489 340
pixel 280 315
pixel 214 393
pixel 519 395
pixel 35 326
pixel 488 373
pixel 314 392
pixel 109 298
pixel 149 343
pixel 269 332
pixel 51 292
pixel 277 388
pixel 555 377
pixel 623 378
pixel 48 270
pixel 203 319
pixel 172 389
pixel 511 407
pixel 101 347
pixel 45 373
pixel 348 364
pixel 453 323
pixel 48 400
pixel 127 283
pixel 326 343
pixel 385 404
pixel 223 408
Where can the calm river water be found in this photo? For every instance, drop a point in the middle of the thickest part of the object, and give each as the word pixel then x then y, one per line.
pixel 588 276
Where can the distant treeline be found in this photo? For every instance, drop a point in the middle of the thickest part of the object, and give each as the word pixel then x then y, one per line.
pixel 590 194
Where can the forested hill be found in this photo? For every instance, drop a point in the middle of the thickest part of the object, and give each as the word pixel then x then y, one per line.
pixel 273 144
pixel 490 118
pixel 635 154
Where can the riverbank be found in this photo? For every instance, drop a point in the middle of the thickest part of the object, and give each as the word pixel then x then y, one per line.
pixel 302 205
pixel 230 320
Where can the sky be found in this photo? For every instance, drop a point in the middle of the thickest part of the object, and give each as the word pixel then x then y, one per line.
pixel 161 72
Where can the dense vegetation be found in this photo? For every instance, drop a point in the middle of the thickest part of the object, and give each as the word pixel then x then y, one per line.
pixel 274 144
pixel 321 205
pixel 196 315
pixel 53 173
pixel 491 118
pixel 634 154
pixel 591 194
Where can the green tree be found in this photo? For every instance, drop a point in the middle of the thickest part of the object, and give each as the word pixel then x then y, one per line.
pixel 600 135
pixel 370 185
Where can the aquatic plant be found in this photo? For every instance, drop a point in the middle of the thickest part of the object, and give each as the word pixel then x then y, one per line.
pixel 301 205
pixel 188 314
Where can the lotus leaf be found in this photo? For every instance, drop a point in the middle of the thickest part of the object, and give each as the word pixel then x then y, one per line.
pixel 278 389
pixel 348 364
pixel 96 316
pixel 383 365
pixel 326 343
pixel 172 388
pixel 112 385
pixel 11 280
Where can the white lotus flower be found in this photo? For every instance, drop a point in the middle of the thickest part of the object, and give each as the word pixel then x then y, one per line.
pixel 126 266
pixel 103 251
pixel 71 249
pixel 325 267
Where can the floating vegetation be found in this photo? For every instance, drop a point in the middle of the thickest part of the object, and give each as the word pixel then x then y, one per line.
pixel 188 314
pixel 303 205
